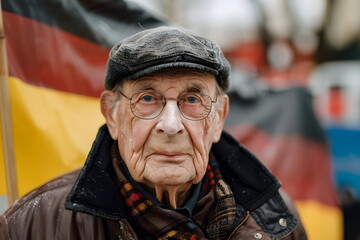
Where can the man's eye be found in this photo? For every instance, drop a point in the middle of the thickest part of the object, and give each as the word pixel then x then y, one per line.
pixel 192 99
pixel 147 98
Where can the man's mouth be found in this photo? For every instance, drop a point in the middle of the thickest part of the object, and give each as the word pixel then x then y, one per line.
pixel 170 155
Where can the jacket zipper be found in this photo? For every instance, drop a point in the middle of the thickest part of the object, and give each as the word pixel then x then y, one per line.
pixel 239 225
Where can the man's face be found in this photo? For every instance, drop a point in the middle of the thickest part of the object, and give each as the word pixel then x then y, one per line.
pixel 169 149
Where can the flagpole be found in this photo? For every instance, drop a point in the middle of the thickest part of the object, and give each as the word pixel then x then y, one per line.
pixel 6 124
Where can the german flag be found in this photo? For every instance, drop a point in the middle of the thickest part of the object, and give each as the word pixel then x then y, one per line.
pixel 280 128
pixel 57 52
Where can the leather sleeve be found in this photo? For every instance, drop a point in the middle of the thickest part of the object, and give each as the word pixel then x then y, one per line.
pixel 35 215
pixel 41 215
pixel 4 232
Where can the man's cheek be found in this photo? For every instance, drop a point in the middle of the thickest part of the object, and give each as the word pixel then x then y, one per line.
pixel 126 138
pixel 198 139
pixel 209 133
pixel 139 135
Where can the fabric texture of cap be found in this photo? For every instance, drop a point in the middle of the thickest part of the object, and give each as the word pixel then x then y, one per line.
pixel 159 48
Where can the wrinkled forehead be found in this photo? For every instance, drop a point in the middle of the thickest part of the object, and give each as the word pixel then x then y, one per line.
pixel 182 79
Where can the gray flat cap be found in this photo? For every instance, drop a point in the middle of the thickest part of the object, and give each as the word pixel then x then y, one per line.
pixel 155 49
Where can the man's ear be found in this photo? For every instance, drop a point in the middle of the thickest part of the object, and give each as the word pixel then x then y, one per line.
pixel 107 101
pixel 222 112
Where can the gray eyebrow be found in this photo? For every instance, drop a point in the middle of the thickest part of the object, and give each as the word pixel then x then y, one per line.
pixel 196 88
pixel 143 85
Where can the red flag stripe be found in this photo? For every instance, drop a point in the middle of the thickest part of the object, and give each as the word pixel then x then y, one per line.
pixel 45 56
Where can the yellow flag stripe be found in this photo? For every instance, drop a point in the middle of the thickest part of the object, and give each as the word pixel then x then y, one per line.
pixel 321 222
pixel 53 131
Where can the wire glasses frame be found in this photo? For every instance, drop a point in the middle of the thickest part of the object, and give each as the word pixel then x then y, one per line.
pixel 148 105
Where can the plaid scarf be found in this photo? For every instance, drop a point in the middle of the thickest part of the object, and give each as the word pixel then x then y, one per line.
pixel 214 216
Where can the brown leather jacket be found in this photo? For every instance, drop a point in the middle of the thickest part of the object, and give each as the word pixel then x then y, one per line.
pixel 95 212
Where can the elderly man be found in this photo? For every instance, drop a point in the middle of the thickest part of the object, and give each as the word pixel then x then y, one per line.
pixel 161 167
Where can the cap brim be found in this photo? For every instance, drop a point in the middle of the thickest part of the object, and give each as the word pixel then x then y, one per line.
pixel 146 71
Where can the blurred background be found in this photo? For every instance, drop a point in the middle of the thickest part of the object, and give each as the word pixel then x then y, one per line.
pixel 295 89
pixel 282 44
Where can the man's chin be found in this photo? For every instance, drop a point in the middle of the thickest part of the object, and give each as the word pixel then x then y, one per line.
pixel 169 178
pixel 172 181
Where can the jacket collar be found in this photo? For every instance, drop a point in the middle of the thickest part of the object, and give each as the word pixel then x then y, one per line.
pixel 251 182
pixel 96 192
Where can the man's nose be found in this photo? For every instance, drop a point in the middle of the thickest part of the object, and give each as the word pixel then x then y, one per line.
pixel 170 119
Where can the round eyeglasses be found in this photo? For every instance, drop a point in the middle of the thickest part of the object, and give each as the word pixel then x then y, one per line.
pixel 149 104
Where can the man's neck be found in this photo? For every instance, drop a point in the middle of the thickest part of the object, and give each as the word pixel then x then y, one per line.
pixel 172 195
